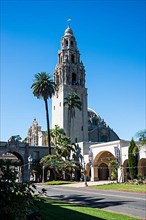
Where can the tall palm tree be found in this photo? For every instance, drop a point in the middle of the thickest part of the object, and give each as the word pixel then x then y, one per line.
pixel 72 102
pixel 43 88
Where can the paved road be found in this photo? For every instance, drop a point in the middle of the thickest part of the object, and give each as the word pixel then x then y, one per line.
pixel 133 204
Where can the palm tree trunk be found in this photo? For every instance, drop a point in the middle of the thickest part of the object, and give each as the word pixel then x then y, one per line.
pixel 48 125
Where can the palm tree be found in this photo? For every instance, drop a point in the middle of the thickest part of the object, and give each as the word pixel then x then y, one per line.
pixel 72 102
pixel 56 133
pixel 60 162
pixel 44 87
pixel 141 135
pixel 64 147
pixel 53 163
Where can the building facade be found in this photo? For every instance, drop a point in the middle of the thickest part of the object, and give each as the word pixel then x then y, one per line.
pixel 97 157
pixel 35 135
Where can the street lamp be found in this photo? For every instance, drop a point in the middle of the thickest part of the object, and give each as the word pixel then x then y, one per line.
pixel 85 174
pixel 29 164
pixel 90 157
pixel 43 175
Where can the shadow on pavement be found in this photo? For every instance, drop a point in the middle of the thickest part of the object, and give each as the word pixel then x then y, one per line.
pixel 89 201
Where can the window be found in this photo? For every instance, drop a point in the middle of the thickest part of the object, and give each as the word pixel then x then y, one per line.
pixel 72 43
pixel 60 103
pixel 76 140
pixel 66 42
pixel 54 107
pixel 74 79
pixel 72 58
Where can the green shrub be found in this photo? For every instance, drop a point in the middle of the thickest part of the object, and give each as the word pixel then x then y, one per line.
pixel 16 199
pixel 113 175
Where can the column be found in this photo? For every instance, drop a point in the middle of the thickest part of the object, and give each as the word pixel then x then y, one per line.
pixel 92 172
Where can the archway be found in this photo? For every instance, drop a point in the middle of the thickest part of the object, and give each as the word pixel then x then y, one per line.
pixel 103 171
pixel 142 167
pixel 14 162
pixel 102 168
pixel 126 171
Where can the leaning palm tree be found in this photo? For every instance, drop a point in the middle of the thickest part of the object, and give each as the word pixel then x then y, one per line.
pixel 44 87
pixel 72 102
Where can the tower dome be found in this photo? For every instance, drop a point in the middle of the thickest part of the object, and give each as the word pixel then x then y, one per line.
pixel 68 31
pixel 98 130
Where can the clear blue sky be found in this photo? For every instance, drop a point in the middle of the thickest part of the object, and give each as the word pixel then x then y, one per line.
pixel 111 41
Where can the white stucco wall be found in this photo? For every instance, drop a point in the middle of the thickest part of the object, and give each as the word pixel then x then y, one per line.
pixel 142 153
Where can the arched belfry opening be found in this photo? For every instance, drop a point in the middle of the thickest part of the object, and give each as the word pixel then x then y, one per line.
pixel 72 43
pixel 66 42
pixel 72 58
pixel 74 79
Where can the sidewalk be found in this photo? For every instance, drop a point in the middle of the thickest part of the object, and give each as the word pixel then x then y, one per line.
pixel 95 183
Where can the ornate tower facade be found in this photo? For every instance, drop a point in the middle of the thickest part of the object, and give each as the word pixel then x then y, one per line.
pixel 69 76
pixel 35 136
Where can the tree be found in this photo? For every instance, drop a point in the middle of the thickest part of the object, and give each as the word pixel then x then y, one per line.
pixel 133 159
pixel 43 88
pixel 53 163
pixel 141 135
pixel 72 102
pixel 60 163
pixel 78 158
pixel 64 147
pixel 114 168
pixel 56 133
pixel 16 199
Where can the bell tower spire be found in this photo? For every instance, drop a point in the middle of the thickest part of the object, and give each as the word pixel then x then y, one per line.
pixel 69 20
pixel 69 76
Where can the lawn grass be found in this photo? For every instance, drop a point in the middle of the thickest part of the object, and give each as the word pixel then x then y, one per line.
pixel 57 182
pixel 122 187
pixel 59 210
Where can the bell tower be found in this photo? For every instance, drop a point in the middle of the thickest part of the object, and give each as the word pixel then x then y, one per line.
pixel 69 76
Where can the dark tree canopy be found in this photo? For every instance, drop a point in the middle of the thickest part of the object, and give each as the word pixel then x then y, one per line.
pixel 133 155
pixel 43 86
pixel 141 135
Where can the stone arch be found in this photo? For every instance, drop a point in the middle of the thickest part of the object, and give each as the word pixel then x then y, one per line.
pixel 102 169
pixel 126 170
pixel 142 167
pixel 15 157
pixel 18 155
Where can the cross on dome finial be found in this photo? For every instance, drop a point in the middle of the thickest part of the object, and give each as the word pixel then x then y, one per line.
pixel 69 20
